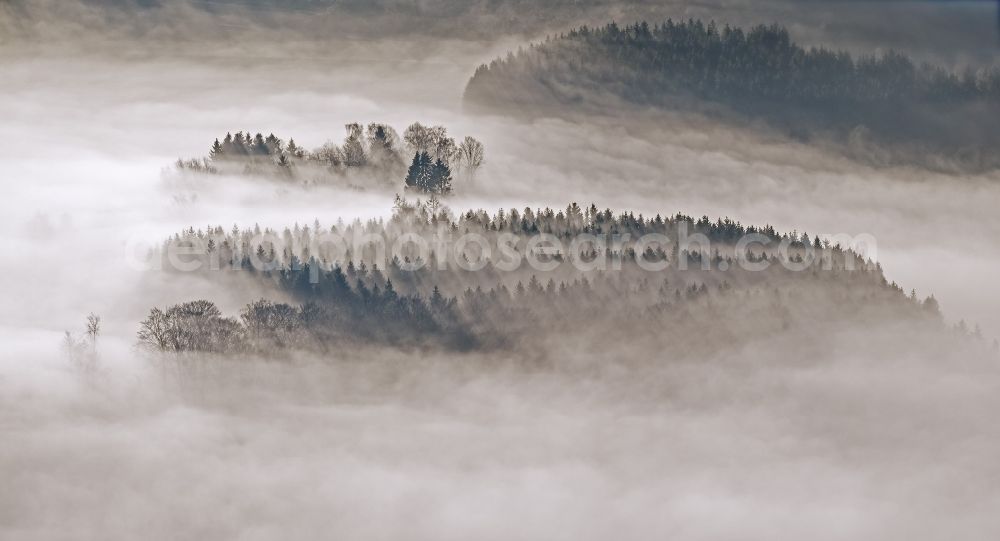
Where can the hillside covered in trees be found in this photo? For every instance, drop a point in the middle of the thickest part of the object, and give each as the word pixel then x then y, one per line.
pixel 425 159
pixel 320 294
pixel 881 107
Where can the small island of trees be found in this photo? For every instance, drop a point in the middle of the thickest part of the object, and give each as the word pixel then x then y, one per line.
pixel 369 156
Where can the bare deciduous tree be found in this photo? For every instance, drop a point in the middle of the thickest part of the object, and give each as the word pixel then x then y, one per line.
pixel 471 154
pixel 154 331
pixel 82 351
pixel 191 326
pixel 418 137
pixel 93 328
pixel 433 140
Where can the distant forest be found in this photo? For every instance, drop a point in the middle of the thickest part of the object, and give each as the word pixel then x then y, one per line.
pixel 319 300
pixel 881 100
pixel 372 156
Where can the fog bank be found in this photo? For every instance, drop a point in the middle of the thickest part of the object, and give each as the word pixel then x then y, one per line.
pixel 862 434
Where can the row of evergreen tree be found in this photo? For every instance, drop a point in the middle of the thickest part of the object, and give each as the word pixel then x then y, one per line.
pixel 430 217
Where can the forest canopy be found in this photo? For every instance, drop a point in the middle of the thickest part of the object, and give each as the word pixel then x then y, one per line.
pixel 881 99
pixel 317 297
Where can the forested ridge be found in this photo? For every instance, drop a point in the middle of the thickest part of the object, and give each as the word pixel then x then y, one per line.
pixel 317 299
pixel 882 99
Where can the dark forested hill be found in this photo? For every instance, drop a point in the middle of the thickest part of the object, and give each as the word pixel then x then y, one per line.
pixel 918 111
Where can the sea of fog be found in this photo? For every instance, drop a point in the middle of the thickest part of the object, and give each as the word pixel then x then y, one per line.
pixel 868 439
pixel 86 144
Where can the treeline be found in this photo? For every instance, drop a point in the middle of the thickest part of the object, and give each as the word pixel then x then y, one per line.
pixel 372 154
pixel 758 72
pixel 328 298
pixel 342 315
pixel 588 236
pixel 334 313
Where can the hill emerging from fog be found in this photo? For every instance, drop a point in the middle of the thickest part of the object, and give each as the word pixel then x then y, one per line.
pixel 880 108
pixel 485 282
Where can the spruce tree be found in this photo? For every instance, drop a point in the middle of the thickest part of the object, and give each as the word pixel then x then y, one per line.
pixel 440 175
pixel 217 151
pixel 413 173
pixel 419 176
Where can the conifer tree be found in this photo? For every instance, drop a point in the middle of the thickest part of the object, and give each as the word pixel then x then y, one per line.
pixel 440 178
pixel 217 151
